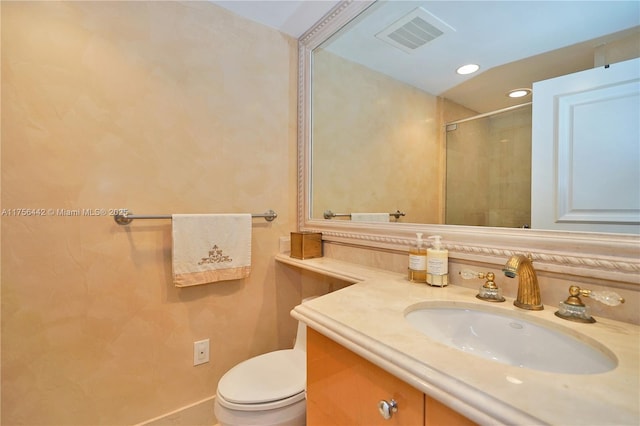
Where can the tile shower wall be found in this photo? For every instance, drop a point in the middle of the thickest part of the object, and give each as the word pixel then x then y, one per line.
pixel 158 107
pixel 489 170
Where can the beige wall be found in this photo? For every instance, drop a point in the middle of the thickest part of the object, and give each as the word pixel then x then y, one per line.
pixel 376 145
pixel 158 107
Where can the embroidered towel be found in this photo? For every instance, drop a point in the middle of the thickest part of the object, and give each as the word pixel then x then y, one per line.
pixel 210 247
pixel 370 217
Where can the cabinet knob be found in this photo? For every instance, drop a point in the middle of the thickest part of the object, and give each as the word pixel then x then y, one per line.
pixel 387 409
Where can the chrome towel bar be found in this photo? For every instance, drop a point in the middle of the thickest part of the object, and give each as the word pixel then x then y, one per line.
pixel 127 218
pixel 328 214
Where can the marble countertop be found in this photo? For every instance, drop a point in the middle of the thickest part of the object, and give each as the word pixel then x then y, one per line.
pixel 368 318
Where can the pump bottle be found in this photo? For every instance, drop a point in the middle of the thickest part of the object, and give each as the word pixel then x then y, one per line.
pixel 418 261
pixel 437 263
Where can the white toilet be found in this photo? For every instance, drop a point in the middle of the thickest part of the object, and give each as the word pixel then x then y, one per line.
pixel 268 390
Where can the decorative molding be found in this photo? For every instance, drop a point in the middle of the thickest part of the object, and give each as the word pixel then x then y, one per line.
pixel 302 128
pixel 596 267
pixel 612 257
pixel 327 21
pixel 335 19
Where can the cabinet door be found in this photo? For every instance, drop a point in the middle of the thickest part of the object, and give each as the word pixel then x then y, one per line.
pixel 344 389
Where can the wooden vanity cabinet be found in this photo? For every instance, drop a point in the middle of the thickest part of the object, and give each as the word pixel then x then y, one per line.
pixel 345 389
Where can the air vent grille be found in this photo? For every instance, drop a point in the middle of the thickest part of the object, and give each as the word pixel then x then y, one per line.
pixel 415 33
pixel 413 30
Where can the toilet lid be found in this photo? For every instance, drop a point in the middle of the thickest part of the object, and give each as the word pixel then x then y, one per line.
pixel 265 378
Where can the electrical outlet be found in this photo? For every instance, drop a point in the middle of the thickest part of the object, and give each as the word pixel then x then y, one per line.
pixel 200 352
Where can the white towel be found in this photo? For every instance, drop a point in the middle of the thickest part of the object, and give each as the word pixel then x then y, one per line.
pixel 370 217
pixel 210 247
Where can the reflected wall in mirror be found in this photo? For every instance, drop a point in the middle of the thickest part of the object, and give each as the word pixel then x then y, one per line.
pixel 374 139
pixel 380 111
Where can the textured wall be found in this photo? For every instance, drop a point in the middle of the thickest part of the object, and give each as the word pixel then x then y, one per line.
pixel 376 143
pixel 158 107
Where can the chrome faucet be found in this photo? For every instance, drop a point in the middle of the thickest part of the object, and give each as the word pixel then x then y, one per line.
pixel 528 288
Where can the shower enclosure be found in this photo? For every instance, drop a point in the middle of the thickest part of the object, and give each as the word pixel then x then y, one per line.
pixel 488 169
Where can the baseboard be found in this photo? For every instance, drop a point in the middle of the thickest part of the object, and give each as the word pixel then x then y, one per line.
pixel 197 414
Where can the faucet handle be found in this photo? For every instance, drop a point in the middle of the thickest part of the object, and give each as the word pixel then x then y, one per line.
pixel 609 298
pixel 489 291
pixel 468 274
pixel 573 309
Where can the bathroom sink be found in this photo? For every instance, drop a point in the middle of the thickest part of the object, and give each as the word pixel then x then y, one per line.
pixel 506 337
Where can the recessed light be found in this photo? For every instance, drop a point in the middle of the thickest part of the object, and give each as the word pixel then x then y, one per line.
pixel 468 69
pixel 519 93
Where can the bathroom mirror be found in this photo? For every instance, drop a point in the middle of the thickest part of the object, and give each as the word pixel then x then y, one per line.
pixel 441 147
pixel 470 242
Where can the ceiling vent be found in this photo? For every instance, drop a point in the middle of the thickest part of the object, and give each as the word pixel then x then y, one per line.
pixel 413 30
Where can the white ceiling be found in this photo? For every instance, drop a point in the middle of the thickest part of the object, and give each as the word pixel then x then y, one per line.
pixel 488 33
pixel 292 17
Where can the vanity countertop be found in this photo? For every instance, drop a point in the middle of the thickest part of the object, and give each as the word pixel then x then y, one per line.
pixel 368 318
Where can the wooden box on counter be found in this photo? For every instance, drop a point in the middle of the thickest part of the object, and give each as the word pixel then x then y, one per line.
pixel 306 245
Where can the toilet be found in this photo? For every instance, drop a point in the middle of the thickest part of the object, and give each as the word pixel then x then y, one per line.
pixel 267 390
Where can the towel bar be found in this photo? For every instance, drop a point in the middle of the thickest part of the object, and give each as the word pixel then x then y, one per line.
pixel 328 214
pixel 125 219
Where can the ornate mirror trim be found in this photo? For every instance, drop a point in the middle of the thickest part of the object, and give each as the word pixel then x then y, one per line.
pixel 614 257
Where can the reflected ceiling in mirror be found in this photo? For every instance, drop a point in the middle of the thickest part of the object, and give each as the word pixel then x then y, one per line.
pixel 380 103
pixel 514 42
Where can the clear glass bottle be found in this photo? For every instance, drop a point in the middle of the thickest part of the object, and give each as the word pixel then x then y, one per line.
pixel 418 261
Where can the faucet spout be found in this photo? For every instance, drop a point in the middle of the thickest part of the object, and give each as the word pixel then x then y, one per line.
pixel 528 288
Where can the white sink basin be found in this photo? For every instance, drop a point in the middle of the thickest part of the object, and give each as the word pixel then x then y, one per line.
pixel 505 337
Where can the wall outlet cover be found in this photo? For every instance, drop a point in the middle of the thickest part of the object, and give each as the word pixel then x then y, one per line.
pixel 201 352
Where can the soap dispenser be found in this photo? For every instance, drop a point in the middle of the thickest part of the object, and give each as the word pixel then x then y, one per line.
pixel 437 263
pixel 418 261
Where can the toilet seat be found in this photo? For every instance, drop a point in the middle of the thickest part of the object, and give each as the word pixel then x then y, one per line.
pixel 268 381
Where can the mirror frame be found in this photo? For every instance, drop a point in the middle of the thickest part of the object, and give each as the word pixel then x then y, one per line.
pixel 612 257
